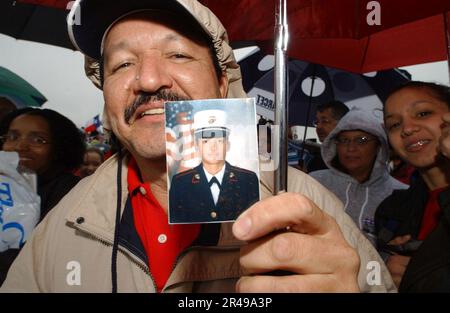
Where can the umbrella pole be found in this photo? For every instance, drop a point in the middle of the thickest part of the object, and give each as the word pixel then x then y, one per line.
pixel 447 40
pixel 280 139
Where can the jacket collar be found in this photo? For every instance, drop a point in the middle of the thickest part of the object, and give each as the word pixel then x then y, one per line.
pixel 97 206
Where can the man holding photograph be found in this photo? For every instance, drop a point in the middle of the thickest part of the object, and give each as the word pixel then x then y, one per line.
pixel 214 190
pixel 113 225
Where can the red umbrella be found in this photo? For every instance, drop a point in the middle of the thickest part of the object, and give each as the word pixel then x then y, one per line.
pixel 60 4
pixel 336 33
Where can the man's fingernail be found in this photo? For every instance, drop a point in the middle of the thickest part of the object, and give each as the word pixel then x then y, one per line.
pixel 242 227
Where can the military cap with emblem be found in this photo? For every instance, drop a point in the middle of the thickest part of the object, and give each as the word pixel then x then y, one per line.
pixel 210 124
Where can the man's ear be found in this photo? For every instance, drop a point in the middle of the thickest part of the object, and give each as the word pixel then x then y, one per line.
pixel 223 85
pixel 228 144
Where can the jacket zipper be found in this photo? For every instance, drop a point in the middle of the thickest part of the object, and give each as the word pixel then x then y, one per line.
pixel 125 252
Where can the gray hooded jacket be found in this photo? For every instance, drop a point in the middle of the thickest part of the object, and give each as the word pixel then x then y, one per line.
pixel 360 200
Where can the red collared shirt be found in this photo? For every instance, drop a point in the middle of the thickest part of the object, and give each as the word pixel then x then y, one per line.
pixel 162 242
pixel 432 214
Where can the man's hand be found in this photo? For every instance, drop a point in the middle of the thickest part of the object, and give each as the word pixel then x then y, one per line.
pixel 444 140
pixel 313 249
pixel 397 264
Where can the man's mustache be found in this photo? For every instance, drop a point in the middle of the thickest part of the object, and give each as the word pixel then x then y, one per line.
pixel 145 97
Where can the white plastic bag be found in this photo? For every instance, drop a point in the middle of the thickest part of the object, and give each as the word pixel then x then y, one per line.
pixel 19 203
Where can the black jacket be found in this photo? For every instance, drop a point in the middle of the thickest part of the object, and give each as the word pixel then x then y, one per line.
pixel 53 188
pixel 190 198
pixel 401 214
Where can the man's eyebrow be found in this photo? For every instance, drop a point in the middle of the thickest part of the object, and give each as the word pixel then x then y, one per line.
pixel 123 45
pixel 172 37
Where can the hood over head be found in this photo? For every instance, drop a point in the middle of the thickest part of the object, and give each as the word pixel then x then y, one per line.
pixel 358 119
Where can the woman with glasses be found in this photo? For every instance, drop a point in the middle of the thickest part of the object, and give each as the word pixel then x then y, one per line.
pixel 413 225
pixel 50 145
pixel 357 155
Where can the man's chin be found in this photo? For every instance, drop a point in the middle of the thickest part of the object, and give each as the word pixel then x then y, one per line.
pixel 150 154
pixel 147 149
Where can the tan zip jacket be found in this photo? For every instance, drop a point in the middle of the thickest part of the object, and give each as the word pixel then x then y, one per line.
pixel 70 251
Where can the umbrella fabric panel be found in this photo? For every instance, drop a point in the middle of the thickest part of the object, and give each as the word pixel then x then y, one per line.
pixel 329 84
pixel 419 42
pixel 18 90
pixel 60 4
pixel 335 32
pixel 34 23
pixel 254 19
pixel 348 18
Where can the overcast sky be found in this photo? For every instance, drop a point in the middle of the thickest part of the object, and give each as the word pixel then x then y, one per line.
pixel 59 75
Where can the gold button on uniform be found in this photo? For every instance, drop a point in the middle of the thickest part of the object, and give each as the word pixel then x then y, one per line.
pixel 142 190
pixel 213 214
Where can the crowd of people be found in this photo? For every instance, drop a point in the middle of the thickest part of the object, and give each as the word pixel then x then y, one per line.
pixel 402 210
pixel 336 216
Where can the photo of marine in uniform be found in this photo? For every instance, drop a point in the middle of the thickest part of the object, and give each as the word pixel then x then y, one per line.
pixel 214 190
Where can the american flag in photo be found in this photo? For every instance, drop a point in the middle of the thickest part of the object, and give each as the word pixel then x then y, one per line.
pixel 180 145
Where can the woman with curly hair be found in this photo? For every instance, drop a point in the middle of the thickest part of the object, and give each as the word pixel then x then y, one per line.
pixel 48 144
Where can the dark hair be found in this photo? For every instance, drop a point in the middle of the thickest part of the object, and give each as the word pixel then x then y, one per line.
pixel 440 92
pixel 67 140
pixel 338 108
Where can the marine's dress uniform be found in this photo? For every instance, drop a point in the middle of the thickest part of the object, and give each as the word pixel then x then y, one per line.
pixel 191 200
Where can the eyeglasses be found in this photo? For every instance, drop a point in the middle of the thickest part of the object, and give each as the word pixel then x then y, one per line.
pixel 359 141
pixel 33 140
pixel 322 121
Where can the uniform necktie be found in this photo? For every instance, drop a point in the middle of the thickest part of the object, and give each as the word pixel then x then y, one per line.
pixel 214 180
pixel 214 185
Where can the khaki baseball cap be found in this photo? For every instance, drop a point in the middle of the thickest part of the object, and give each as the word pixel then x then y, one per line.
pixel 89 21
